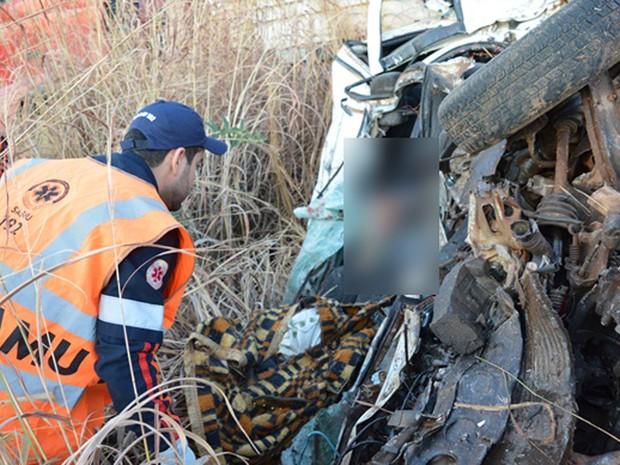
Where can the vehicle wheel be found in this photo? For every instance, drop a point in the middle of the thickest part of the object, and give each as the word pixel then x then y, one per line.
pixel 551 62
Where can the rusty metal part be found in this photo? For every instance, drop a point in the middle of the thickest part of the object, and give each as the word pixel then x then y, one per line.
pixel 597 245
pixel 540 185
pixel 462 313
pixel 608 298
pixel 594 258
pixel 602 242
pixel 530 238
pixel 563 130
pixel 602 114
pixel 491 215
pixel 558 208
pixel 574 250
pixel 481 406
pixel 538 438
pixel 530 133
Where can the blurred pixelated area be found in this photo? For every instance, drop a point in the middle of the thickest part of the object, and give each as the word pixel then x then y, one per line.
pixel 391 227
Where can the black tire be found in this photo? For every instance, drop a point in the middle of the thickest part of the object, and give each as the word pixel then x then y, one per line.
pixel 534 74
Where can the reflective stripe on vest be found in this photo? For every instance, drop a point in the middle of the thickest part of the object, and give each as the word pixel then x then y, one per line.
pixel 64 225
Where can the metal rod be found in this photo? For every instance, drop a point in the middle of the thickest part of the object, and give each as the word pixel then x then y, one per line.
pixel 563 133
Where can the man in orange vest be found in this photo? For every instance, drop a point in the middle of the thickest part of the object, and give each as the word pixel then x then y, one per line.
pixel 92 270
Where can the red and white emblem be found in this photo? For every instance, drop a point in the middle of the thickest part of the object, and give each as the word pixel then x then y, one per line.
pixel 156 272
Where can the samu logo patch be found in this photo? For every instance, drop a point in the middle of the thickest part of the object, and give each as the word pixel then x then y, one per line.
pixel 45 193
pixel 156 272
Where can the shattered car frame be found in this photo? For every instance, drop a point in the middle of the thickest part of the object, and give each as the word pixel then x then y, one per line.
pixel 515 360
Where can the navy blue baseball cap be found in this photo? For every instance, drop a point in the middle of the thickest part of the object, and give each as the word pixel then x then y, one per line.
pixel 168 125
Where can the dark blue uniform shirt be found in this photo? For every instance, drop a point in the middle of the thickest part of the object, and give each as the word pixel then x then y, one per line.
pixel 131 311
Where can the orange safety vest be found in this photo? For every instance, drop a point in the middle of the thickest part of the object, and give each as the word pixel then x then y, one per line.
pixel 64 227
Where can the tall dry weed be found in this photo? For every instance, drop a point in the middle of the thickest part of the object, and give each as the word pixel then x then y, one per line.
pixel 270 99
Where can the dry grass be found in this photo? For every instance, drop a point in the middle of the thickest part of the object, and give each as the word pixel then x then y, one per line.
pixel 272 105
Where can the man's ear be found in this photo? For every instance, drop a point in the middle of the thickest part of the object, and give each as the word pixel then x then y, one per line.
pixel 176 160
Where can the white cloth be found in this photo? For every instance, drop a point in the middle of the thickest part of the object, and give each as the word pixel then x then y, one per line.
pixel 180 454
pixel 303 333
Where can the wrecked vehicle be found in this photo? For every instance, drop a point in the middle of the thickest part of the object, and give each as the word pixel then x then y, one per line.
pixel 515 360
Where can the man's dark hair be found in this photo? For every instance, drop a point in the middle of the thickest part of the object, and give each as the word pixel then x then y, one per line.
pixel 154 158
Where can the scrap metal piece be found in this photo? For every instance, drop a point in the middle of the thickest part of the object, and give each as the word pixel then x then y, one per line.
pixel 406 344
pixel 410 50
pixel 450 71
pixel 608 298
pixel 598 242
pixel 382 85
pixel 400 340
pixel 594 257
pixel 602 114
pixel 392 448
pixel 559 208
pixel 481 405
pixel 530 238
pixel 564 130
pixel 483 166
pixel 611 458
pixel 439 80
pixel 557 296
pixel 462 316
pixel 611 232
pixel 604 202
pixel 491 215
pixel 601 251
pixel 404 418
pixel 541 435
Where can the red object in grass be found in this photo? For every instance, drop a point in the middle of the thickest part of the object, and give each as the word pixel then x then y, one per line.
pixel 31 30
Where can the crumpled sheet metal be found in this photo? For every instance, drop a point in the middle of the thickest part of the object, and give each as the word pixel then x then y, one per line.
pixel 483 165
pixel 405 345
pixel 540 433
pixel 481 405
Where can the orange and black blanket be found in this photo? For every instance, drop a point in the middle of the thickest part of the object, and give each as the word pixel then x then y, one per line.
pixel 272 396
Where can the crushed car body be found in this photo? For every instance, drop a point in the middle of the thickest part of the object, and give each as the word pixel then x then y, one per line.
pixel 515 359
